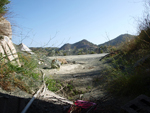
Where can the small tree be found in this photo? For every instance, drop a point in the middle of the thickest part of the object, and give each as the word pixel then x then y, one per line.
pixel 3 7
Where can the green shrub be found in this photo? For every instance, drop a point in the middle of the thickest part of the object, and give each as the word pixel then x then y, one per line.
pixel 101 51
pixel 3 6
pixel 131 80
pixel 79 53
pixel 92 52
pixel 133 84
pixel 25 77
pixel 52 84
pixel 70 87
pixel 28 62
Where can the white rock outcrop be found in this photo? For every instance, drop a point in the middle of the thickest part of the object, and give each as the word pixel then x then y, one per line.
pixel 5 28
pixel 7 48
pixel 24 48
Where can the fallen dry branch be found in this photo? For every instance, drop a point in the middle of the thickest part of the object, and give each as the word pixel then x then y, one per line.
pixel 35 96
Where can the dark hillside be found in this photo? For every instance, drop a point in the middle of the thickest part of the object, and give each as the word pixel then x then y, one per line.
pixel 118 40
pixel 84 44
pixel 66 47
pixel 78 45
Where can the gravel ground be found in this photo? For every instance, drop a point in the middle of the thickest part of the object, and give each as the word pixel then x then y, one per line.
pixel 82 74
pixel 83 64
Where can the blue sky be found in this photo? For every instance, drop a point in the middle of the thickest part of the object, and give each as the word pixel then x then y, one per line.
pixel 35 22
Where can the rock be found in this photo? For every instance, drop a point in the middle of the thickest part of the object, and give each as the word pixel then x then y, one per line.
pixel 5 27
pixel 62 60
pixel 55 64
pixel 7 48
pixel 24 48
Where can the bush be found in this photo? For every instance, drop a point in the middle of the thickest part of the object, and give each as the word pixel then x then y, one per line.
pixel 3 6
pixel 92 52
pixel 79 53
pixel 101 51
pixel 25 77
pixel 131 81
pixel 52 84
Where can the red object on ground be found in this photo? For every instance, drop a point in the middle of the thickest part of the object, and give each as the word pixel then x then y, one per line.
pixel 82 104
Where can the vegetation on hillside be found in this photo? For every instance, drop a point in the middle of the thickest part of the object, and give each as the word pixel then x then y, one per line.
pixel 118 40
pixel 83 47
pixel 128 74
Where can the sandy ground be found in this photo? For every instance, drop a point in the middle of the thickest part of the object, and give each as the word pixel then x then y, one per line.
pixel 83 63
pixel 82 74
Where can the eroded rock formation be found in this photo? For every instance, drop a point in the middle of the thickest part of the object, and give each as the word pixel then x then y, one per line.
pixel 7 48
pixel 5 28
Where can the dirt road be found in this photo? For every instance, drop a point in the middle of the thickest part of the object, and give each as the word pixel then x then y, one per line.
pixel 79 57
pixel 82 73
pixel 78 64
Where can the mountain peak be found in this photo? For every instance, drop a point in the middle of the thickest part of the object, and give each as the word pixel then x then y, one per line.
pixel 81 44
pixel 84 40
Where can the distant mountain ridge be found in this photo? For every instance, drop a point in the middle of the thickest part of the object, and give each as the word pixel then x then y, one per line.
pixel 78 45
pixel 118 40
pixel 82 47
pixel 86 44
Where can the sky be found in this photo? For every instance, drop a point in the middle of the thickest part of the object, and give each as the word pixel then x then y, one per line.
pixel 52 23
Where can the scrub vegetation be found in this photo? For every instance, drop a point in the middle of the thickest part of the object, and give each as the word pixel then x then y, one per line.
pixel 25 77
pixel 128 74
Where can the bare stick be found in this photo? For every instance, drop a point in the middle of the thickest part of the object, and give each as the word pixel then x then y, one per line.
pixel 30 102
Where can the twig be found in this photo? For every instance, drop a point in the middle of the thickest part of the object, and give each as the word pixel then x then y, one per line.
pixel 30 102
pixel 60 89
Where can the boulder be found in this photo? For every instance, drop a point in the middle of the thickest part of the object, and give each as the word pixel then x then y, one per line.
pixel 24 48
pixel 5 28
pixel 62 60
pixel 7 49
pixel 55 64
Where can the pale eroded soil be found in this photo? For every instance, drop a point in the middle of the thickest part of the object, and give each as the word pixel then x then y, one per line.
pixel 84 76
